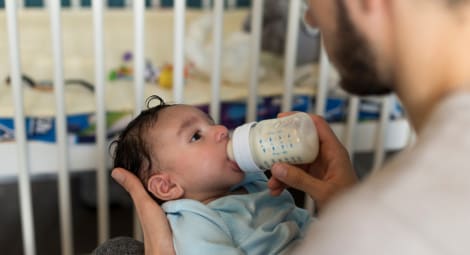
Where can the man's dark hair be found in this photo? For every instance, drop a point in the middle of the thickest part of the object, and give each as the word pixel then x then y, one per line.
pixel 453 3
pixel 132 150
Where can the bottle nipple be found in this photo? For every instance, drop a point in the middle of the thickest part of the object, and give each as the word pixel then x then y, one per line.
pixel 230 150
pixel 238 148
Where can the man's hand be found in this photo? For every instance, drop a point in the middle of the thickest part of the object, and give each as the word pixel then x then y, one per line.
pixel 157 233
pixel 331 171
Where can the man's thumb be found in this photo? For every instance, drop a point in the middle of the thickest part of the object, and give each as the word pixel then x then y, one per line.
pixel 295 177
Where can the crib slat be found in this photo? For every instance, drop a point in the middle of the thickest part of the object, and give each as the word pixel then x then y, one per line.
pixel 100 96
pixel 348 137
pixel 75 4
pixel 411 138
pixel 216 61
pixel 61 127
pixel 206 4
pixel 231 4
pixel 379 155
pixel 256 23
pixel 291 54
pixel 155 3
pixel 323 79
pixel 178 51
pixel 139 61
pixel 24 186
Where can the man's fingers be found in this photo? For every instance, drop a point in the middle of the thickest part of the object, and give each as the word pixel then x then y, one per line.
pixel 325 133
pixel 274 183
pixel 144 204
pixel 298 179
pixel 276 192
pixel 124 179
pixel 130 183
pixel 276 187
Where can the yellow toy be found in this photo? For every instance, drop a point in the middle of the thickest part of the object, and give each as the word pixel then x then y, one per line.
pixel 165 78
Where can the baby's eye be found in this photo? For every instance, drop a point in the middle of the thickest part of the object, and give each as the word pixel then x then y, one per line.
pixel 195 137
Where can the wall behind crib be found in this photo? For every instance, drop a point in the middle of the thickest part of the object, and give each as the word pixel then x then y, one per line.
pixel 36 44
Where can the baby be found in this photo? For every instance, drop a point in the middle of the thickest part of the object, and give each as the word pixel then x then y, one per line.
pixel 213 207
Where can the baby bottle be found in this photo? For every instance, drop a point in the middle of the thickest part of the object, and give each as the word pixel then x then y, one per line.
pixel 256 146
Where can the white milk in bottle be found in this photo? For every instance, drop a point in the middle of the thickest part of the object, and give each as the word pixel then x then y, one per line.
pixel 257 146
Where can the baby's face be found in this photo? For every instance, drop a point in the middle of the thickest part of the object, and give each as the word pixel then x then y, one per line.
pixel 192 149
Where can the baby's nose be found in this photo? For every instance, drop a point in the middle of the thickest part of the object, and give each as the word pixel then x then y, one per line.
pixel 221 133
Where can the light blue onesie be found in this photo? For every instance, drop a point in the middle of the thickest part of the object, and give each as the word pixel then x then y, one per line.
pixel 254 223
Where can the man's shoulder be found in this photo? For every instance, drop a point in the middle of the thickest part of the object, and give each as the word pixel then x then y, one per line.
pixel 412 206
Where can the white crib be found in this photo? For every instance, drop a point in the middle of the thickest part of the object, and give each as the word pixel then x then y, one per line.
pixel 24 159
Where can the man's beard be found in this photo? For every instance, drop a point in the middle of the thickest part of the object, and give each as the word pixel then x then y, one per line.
pixel 355 60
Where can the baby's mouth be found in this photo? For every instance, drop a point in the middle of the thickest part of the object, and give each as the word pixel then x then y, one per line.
pixel 234 166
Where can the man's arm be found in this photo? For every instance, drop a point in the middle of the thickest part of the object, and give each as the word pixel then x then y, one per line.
pixel 157 233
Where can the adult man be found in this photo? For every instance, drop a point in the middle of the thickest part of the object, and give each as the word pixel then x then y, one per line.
pixel 419 202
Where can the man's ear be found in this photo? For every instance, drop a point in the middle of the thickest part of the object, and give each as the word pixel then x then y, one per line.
pixel 162 186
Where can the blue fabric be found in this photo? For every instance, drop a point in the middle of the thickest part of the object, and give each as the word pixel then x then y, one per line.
pixel 253 223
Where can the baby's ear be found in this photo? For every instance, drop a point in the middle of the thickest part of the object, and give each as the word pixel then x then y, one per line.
pixel 162 186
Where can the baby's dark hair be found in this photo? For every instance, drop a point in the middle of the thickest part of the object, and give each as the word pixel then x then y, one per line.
pixel 132 149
